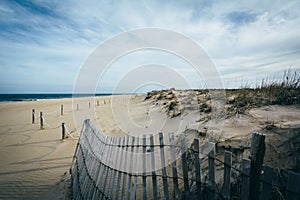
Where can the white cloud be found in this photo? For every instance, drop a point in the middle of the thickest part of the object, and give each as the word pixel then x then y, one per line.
pixel 251 39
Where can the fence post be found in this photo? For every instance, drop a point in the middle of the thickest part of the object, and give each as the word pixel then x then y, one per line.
pixel 227 170
pixel 267 183
pixel 144 168
pixel 197 168
pixel 257 156
pixel 174 167
pixel 97 103
pixel 136 169
pixel 41 120
pixel 33 115
pixel 293 186
pixel 89 104
pixel 184 167
pixel 163 165
pixel 77 107
pixel 63 131
pixel 245 178
pixel 211 173
pixel 62 110
pixel 154 179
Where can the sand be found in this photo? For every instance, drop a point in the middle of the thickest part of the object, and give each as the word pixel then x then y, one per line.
pixel 34 163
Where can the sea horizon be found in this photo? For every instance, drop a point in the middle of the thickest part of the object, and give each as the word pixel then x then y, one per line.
pixel 13 97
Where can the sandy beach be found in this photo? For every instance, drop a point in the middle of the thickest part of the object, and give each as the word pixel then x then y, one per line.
pixel 34 163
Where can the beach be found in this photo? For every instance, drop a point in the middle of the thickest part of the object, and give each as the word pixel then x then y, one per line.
pixel 35 162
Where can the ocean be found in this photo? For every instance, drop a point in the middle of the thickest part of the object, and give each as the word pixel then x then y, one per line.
pixel 35 97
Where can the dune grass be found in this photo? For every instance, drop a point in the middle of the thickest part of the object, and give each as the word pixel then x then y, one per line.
pixel 285 91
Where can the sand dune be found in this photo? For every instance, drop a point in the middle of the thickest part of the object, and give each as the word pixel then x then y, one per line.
pixel 34 163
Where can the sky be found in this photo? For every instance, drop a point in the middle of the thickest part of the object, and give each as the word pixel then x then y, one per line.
pixel 44 44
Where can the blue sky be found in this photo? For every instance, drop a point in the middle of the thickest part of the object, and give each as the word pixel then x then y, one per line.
pixel 43 44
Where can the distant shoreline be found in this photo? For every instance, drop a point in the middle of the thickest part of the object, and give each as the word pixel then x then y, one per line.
pixel 44 96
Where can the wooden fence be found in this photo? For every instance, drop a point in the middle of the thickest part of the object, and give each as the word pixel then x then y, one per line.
pixel 166 167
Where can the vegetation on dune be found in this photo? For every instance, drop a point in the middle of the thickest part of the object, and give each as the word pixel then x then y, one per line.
pixel 270 92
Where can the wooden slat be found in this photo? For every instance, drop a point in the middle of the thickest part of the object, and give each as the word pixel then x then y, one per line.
pixel 227 173
pixel 118 150
pixel 246 163
pixel 293 186
pixel 154 178
pixel 184 167
pixel 107 169
pixel 197 168
pixel 211 173
pixel 125 168
pixel 130 167
pixel 163 165
pixel 100 166
pixel 174 167
pixel 267 183
pixel 144 168
pixel 117 191
pixel 110 174
pixel 136 169
pixel 258 148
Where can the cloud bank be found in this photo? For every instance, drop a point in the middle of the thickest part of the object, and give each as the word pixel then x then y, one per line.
pixel 44 43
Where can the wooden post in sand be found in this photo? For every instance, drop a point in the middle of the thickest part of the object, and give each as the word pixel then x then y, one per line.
pixel 89 104
pixel 258 148
pixel 41 120
pixel 77 107
pixel 97 103
pixel 63 131
pixel 62 110
pixel 33 115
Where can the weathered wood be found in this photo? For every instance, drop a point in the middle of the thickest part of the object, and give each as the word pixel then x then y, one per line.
pixel 107 169
pixel 174 167
pixel 33 115
pixel 136 169
pixel 227 173
pixel 97 103
pixel 120 166
pixel 246 163
pixel 184 167
pixel 154 178
pixel 130 167
pixel 163 165
pixel 293 186
pixel 77 107
pixel 110 163
pixel 267 183
pixel 63 131
pixel 257 156
pixel 112 195
pixel 41 121
pixel 89 104
pixel 144 168
pixel 61 109
pixel 211 173
pixel 125 168
pixel 197 169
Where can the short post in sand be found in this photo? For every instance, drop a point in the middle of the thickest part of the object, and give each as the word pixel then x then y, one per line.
pixel 97 103
pixel 62 110
pixel 89 104
pixel 33 115
pixel 258 148
pixel 63 131
pixel 41 120
pixel 77 107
